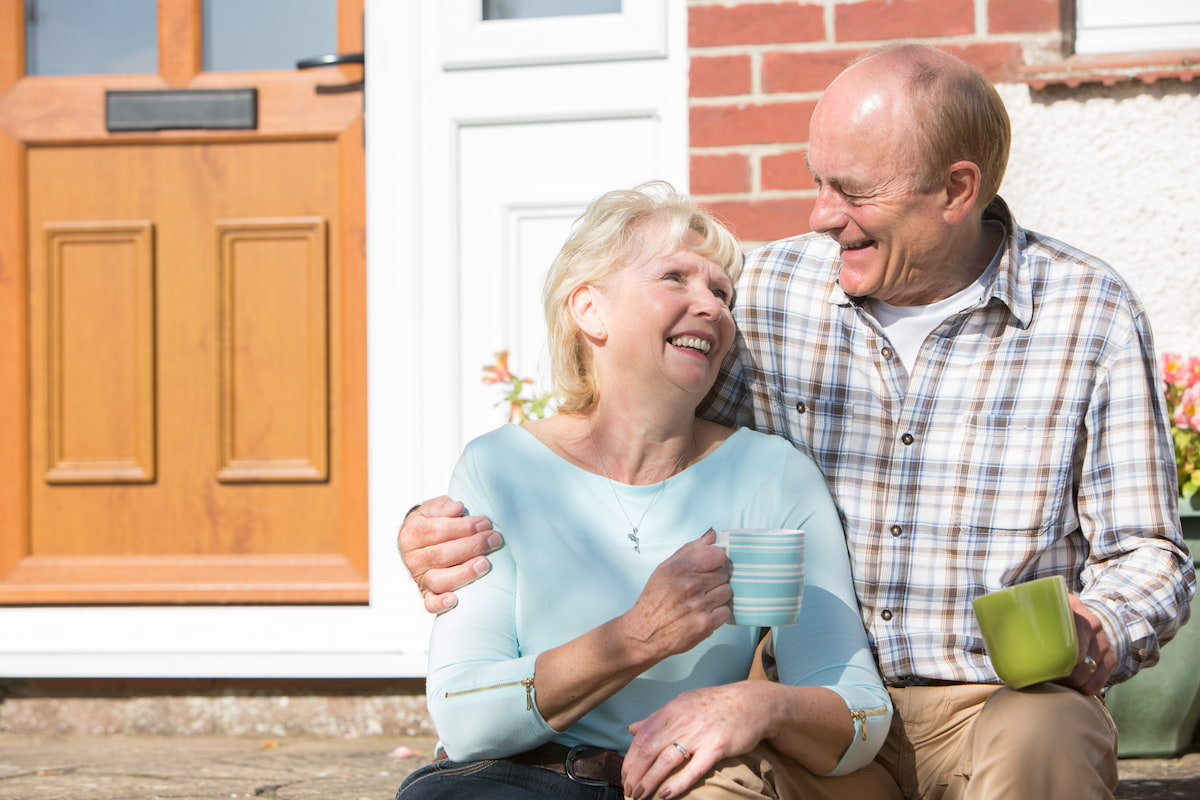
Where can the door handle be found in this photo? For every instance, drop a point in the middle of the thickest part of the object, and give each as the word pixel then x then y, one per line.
pixel 331 60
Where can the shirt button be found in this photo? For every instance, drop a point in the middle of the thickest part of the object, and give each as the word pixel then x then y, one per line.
pixel 896 530
pixel 886 352
pixel 800 407
pixel 886 614
pixel 907 438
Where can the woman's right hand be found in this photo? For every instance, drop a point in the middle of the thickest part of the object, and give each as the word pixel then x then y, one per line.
pixel 444 550
pixel 685 600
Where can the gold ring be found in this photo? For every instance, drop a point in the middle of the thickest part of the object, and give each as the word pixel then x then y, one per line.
pixel 1090 663
pixel 681 749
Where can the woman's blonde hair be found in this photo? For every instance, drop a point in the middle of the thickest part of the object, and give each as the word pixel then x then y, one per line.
pixel 619 229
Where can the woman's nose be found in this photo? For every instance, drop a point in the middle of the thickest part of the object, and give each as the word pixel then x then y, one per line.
pixel 707 303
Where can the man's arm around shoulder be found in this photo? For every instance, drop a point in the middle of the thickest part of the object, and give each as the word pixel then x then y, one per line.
pixel 444 549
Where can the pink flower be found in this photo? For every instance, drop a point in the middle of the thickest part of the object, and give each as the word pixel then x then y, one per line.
pixel 498 372
pixel 1173 369
pixel 1187 413
pixel 1181 387
pixel 521 409
pixel 1192 371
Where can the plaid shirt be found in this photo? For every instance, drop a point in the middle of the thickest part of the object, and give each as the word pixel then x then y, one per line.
pixel 1030 439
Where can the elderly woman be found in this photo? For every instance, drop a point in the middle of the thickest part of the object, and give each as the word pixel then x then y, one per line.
pixel 594 659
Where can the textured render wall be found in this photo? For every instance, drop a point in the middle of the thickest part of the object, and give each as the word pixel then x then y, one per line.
pixel 1113 169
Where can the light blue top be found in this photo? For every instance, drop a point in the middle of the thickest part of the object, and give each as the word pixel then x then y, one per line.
pixel 567 567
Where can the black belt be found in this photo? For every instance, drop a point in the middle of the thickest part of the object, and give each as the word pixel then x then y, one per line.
pixel 928 682
pixel 583 764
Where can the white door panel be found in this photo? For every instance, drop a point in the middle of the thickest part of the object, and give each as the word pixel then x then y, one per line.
pixel 522 207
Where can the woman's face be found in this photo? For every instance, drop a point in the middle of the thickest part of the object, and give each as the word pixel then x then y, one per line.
pixel 669 323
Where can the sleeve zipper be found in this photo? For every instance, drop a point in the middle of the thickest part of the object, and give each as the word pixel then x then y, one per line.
pixel 861 714
pixel 526 682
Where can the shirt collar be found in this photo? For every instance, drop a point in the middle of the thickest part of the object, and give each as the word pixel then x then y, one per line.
pixel 1011 285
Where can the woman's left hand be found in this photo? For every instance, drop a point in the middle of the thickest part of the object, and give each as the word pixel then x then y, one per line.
pixel 678 744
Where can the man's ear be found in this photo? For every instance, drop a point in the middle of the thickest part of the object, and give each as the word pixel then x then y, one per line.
pixel 585 304
pixel 962 190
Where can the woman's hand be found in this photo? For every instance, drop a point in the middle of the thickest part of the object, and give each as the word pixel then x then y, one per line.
pixel 685 600
pixel 710 724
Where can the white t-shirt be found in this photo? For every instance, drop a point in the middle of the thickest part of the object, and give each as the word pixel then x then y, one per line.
pixel 907 326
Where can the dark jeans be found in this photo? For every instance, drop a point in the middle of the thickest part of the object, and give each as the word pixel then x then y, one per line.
pixel 497 780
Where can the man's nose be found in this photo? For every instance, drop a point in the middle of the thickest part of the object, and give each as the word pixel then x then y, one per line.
pixel 828 212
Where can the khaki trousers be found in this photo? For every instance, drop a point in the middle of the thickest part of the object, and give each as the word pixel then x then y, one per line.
pixel 764 773
pixel 767 774
pixel 983 742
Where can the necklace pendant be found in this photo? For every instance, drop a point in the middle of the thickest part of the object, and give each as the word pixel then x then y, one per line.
pixel 637 543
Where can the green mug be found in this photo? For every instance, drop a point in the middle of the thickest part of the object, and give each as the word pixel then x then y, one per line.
pixel 1029 630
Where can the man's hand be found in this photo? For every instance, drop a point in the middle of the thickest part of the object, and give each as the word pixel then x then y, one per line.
pixel 1097 659
pixel 444 550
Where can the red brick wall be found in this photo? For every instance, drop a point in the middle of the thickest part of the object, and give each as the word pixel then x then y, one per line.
pixel 757 69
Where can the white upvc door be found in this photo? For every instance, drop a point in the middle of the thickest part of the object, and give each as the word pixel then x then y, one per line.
pixel 484 140
pixel 523 121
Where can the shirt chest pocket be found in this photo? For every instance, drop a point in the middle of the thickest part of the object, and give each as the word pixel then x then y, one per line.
pixel 816 424
pixel 1015 473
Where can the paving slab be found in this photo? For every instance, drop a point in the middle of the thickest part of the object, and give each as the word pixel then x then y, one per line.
pixel 1160 778
pixel 205 768
pixel 123 767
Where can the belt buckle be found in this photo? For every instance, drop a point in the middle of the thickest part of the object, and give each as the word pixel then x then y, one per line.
pixel 569 766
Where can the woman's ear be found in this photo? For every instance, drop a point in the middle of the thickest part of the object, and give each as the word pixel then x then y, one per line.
pixel 585 304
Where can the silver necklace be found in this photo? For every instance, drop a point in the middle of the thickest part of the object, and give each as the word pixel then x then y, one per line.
pixel 662 487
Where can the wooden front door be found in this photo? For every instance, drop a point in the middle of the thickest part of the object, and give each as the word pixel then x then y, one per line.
pixel 182 347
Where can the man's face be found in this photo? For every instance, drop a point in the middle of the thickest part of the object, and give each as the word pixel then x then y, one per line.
pixel 893 236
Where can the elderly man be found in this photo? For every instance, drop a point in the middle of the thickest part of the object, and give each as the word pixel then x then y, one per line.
pixel 983 402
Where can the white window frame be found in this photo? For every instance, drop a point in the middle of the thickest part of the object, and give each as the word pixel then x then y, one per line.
pixel 470 42
pixel 1121 26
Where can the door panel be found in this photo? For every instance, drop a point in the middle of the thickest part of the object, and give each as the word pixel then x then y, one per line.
pixel 518 215
pixel 189 310
pixel 273 350
pixel 97 354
